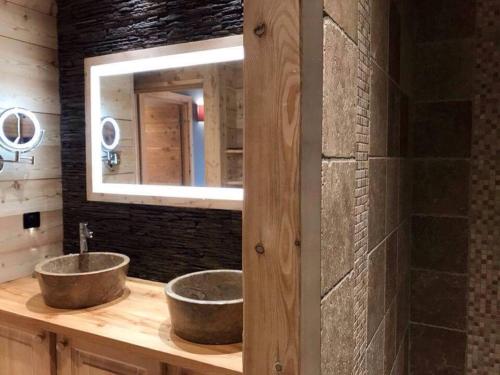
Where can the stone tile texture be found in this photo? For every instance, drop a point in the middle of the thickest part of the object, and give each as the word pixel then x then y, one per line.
pixel 340 92
pixel 337 221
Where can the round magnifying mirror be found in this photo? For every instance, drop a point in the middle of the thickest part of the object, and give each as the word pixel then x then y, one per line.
pixel 110 133
pixel 19 130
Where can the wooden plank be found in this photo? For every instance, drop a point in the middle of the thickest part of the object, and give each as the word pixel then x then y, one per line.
pixel 21 263
pixel 117 95
pixel 14 237
pixel 138 323
pixel 29 77
pixel 272 187
pixel 29 195
pixel 213 147
pixel 47 165
pixel 43 6
pixel 27 25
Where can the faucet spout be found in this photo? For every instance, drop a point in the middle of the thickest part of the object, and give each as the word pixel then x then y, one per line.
pixel 85 233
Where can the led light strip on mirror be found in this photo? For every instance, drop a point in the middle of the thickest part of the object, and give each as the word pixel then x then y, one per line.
pixel 212 51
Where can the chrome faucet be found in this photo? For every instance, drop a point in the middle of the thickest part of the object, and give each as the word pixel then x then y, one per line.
pixel 85 233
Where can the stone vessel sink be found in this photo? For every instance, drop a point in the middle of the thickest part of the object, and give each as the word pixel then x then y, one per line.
pixel 77 281
pixel 207 307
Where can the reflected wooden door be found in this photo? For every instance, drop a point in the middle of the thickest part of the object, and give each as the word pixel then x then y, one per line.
pixel 165 120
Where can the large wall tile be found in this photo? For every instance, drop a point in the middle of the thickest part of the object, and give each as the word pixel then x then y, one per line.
pixel 404 243
pixel 445 19
pixel 375 352
pixel 379 32
pixel 441 187
pixel 444 71
pixel 442 129
pixel 403 313
pixel 378 112
pixel 405 189
pixel 391 269
pixel 438 298
pixel 401 365
pixel 376 289
pixel 440 243
pixel 345 14
pixel 390 341
pixel 376 220
pixel 337 330
pixel 337 221
pixel 392 195
pixel 436 351
pixel 339 92
pixel 394 124
pixel 395 41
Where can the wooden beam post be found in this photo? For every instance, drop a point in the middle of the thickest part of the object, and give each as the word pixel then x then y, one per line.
pixel 281 220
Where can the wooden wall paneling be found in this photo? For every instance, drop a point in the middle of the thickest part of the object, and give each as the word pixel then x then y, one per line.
pixel 117 94
pixel 43 6
pixel 29 77
pixel 22 262
pixel 17 238
pixel 29 195
pixel 271 222
pixel 47 165
pixel 213 146
pixel 27 25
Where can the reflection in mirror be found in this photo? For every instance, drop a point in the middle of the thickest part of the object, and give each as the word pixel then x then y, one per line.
pixel 180 127
pixel 19 128
pixel 110 133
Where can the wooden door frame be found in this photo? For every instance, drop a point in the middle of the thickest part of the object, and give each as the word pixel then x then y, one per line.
pixel 283 42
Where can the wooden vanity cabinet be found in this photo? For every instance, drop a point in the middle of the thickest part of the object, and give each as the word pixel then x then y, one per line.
pixel 80 357
pixel 25 351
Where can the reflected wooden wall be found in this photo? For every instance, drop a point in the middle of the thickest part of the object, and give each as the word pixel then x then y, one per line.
pixel 29 79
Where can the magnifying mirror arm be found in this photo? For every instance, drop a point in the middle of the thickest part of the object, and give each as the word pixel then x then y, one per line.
pixel 18 155
pixel 111 158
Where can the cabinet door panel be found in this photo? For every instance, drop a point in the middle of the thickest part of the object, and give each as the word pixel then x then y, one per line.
pixel 79 357
pixel 24 352
pixel 174 370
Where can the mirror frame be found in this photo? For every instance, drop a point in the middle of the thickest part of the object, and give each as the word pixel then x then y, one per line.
pixel 204 52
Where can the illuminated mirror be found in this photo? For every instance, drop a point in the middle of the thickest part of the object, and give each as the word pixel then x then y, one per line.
pixel 171 120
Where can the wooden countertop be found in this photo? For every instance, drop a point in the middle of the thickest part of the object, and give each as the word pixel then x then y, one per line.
pixel 138 321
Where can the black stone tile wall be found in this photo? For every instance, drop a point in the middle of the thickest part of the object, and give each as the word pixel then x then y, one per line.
pixel 163 242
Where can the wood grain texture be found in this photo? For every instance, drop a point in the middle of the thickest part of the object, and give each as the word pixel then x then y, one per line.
pixel 43 6
pixel 16 238
pixel 137 324
pixel 21 353
pixel 84 357
pixel 27 25
pixel 272 183
pixel 29 77
pixel 163 242
pixel 29 195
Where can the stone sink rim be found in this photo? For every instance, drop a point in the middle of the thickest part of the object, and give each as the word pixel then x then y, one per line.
pixel 170 293
pixel 39 267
